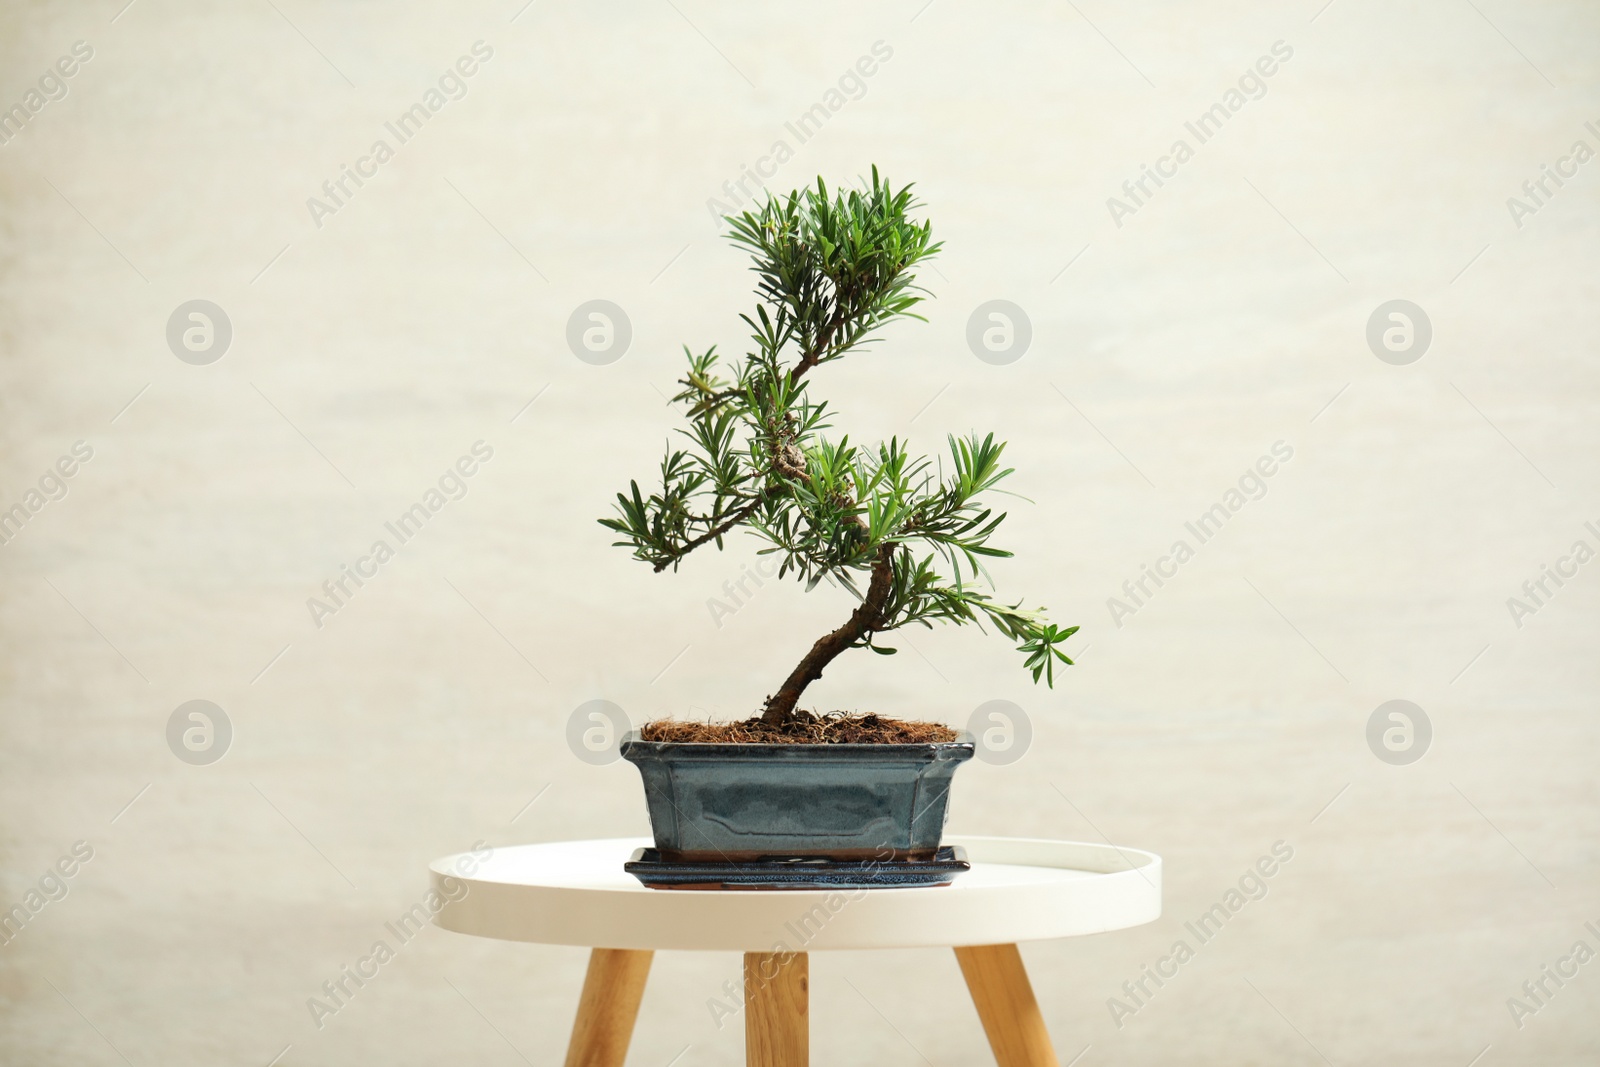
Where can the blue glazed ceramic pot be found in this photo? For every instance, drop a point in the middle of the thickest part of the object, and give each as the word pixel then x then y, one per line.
pixel 741 803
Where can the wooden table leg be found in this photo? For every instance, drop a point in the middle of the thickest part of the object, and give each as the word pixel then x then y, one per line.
pixel 608 1007
pixel 1005 1003
pixel 777 1014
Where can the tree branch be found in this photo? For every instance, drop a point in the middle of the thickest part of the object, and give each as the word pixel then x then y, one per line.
pixel 734 518
pixel 812 356
pixel 863 621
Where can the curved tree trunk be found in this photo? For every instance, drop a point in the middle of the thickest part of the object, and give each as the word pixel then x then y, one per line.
pixel 864 620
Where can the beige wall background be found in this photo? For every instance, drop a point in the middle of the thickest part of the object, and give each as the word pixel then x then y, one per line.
pixel 371 351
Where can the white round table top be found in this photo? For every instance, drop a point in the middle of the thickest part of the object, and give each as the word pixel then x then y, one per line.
pixel 576 893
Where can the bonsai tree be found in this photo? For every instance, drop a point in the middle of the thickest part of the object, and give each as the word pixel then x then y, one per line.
pixel 905 537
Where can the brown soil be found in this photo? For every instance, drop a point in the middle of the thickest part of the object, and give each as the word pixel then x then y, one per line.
pixel 806 728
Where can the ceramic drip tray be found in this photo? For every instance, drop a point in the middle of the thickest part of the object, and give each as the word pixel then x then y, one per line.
pixel 798 873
